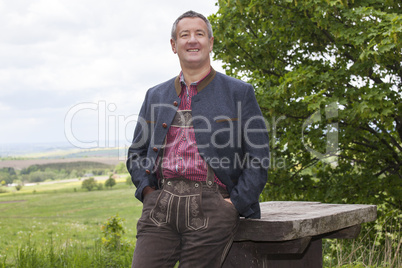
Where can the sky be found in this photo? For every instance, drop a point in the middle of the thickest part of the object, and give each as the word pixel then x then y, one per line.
pixel 77 71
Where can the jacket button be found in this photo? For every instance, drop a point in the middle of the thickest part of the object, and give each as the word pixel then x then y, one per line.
pixel 175 103
pixel 164 125
pixel 148 171
pixel 155 149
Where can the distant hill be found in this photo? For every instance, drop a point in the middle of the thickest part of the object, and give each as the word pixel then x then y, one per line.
pixel 21 156
pixel 25 163
pixel 56 150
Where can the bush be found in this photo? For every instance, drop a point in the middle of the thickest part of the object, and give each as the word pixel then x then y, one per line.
pixel 113 231
pixel 99 186
pixel 19 185
pixel 89 184
pixel 110 182
pixel 373 247
pixel 121 168
pixel 129 181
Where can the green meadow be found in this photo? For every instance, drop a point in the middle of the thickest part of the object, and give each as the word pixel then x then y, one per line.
pixel 59 225
pixel 63 214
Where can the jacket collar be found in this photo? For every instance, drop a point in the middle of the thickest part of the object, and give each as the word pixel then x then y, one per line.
pixel 200 86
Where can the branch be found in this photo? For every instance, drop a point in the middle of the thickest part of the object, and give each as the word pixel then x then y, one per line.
pixel 343 148
pixel 314 161
pixel 287 115
pixel 398 121
pixel 384 170
pixel 351 158
pixel 251 30
pixel 382 140
pixel 393 141
pixel 365 145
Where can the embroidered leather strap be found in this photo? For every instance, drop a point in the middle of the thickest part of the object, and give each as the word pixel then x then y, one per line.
pixel 210 176
pixel 183 119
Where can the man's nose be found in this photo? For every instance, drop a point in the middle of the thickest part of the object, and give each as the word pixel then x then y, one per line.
pixel 192 39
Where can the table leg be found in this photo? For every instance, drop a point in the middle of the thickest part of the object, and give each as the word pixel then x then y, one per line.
pixel 253 255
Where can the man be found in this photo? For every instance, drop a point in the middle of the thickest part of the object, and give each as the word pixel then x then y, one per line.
pixel 199 157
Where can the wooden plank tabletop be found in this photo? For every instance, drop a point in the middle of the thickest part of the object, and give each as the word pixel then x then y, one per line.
pixel 282 221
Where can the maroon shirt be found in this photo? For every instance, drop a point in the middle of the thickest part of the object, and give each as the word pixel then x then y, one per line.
pixel 181 157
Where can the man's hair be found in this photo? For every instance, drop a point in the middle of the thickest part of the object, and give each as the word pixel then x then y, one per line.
pixel 191 14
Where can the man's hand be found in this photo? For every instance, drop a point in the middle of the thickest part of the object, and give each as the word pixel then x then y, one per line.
pixel 228 200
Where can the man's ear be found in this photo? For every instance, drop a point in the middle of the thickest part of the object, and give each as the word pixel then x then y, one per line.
pixel 211 44
pixel 173 44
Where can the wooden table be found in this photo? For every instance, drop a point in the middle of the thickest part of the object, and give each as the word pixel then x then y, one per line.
pixel 289 234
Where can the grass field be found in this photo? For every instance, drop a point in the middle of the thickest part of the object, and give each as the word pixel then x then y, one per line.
pixel 63 213
pixel 68 218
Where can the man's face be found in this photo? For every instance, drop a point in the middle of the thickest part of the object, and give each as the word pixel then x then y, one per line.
pixel 192 44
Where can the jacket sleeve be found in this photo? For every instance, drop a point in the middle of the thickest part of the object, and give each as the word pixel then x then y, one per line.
pixel 255 160
pixel 137 162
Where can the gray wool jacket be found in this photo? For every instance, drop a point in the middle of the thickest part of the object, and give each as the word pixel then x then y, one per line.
pixel 230 132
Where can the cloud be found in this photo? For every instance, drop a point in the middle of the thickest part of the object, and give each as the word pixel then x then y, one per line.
pixel 55 54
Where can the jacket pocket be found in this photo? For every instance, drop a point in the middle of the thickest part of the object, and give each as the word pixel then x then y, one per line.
pixel 226 120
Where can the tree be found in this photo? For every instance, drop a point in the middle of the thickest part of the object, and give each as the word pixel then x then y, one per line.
pixel 18 184
pixel 327 76
pixel 8 175
pixel 110 182
pixel 89 184
pixel 121 168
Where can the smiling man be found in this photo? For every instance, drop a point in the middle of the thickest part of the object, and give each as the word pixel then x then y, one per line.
pixel 198 158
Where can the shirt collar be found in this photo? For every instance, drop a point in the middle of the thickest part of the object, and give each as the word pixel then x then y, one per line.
pixel 194 83
pixel 201 83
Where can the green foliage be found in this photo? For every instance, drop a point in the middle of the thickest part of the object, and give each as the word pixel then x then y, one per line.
pixel 73 219
pixel 113 231
pixel 8 175
pixel 327 76
pixel 129 181
pixel 39 176
pixel 8 170
pixel 18 185
pixel 54 171
pixel 99 186
pixel 367 250
pixel 68 169
pixel 120 168
pixel 52 254
pixel 89 184
pixel 110 182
